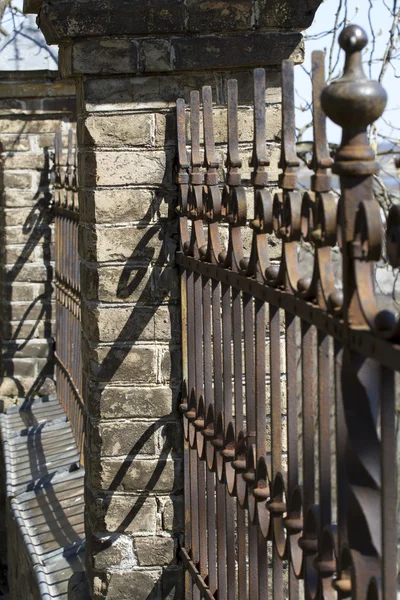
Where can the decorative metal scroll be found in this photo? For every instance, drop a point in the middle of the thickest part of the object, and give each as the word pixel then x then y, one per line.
pixel 67 286
pixel 271 499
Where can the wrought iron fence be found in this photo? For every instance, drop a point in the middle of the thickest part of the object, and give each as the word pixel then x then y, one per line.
pixel 288 380
pixel 67 286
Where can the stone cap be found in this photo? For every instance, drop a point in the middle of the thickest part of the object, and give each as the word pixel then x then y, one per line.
pixel 35 84
pixel 150 55
pixel 64 19
pixel 32 6
pixel 41 75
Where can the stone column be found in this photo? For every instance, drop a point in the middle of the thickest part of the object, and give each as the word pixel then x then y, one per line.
pixel 33 106
pixel 131 60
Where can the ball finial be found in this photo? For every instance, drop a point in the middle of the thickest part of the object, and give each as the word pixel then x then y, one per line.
pixel 353 101
pixel 353 39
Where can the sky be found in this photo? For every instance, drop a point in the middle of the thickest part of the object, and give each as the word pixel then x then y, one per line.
pixel 366 13
pixel 24 49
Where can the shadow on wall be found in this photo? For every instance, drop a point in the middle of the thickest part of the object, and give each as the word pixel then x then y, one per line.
pixel 26 280
pixel 149 292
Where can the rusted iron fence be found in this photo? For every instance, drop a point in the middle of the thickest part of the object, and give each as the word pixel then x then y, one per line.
pixel 67 286
pixel 288 378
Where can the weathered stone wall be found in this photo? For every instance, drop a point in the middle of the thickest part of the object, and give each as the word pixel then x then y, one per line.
pixel 33 106
pixel 131 61
pixel 131 323
pixel 131 336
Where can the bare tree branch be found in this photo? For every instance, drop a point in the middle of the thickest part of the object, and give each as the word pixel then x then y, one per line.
pixel 391 44
pixel 3 6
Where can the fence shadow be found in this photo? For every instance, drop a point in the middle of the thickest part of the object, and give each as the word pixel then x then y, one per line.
pixel 32 319
pixel 156 288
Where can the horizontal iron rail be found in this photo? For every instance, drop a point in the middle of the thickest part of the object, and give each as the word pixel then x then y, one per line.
pixel 359 340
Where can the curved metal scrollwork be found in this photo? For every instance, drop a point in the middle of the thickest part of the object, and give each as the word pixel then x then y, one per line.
pixel 232 399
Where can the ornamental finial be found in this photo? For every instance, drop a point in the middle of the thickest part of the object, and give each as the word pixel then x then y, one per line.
pixel 353 101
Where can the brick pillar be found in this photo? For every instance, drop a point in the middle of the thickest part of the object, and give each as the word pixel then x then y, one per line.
pixel 33 106
pixel 132 60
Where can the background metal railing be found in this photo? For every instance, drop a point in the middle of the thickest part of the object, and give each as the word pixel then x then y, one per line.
pixel 288 377
pixel 67 286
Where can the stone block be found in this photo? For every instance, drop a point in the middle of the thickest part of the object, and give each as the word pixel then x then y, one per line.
pixel 136 475
pixel 116 284
pixel 10 387
pixel 21 181
pixel 30 125
pixel 117 512
pixel 170 365
pixel 117 130
pixel 125 364
pixel 99 55
pixel 123 438
pixel 9 106
pixel 103 244
pixel 162 90
pixel 131 323
pixel 245 124
pixel 167 324
pixel 19 367
pixel 165 129
pixel 21 311
pixel 12 254
pixel 140 585
pixel 26 161
pixel 171 437
pixel 112 551
pixel 157 55
pixel 63 105
pixel 67 19
pixel 173 513
pixel 21 292
pixel 18 198
pixel 172 583
pixel 156 551
pixel 121 402
pixel 30 349
pixel 26 330
pixel 46 140
pixel 241 50
pixel 14 143
pixel 128 205
pixel 220 15
pixel 21 235
pixel 282 14
pixel 29 273
pixel 151 167
pixel 165 284
pixel 27 218
pixel 35 85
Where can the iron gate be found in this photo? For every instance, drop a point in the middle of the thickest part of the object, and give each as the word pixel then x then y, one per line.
pixel 67 287
pixel 288 379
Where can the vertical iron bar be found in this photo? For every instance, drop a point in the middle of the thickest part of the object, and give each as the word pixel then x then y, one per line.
pixel 251 431
pixel 239 423
pixel 227 418
pixel 276 428
pixel 218 403
pixel 341 441
pixel 292 428
pixel 324 418
pixel 388 458
pixel 309 369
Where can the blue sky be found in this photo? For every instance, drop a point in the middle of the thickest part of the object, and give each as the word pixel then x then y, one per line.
pixel 366 13
pixel 25 47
